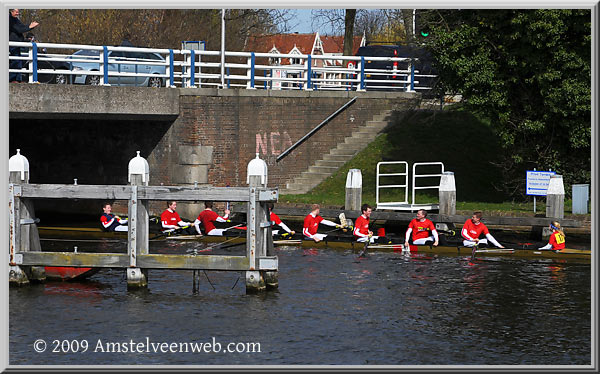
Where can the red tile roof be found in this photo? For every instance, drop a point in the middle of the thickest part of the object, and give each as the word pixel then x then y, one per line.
pixel 304 42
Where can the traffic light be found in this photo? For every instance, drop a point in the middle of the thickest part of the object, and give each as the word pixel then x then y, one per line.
pixel 422 29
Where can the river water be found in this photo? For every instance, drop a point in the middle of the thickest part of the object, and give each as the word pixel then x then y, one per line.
pixel 331 308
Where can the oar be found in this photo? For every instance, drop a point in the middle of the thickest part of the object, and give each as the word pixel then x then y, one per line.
pixel 363 253
pixel 170 232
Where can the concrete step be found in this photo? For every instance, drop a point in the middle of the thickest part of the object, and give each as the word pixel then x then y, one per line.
pixel 348 151
pixel 331 163
pixel 322 169
pixel 332 157
pixel 383 116
pixel 358 140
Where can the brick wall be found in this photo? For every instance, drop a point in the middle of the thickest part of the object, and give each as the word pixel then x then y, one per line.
pixel 239 123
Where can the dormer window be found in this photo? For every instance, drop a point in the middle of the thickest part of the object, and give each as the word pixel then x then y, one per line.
pixel 274 60
pixel 296 60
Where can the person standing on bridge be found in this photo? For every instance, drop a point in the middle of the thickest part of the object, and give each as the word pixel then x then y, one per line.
pixel 170 220
pixel 472 230
pixel 110 222
pixel 421 227
pixel 557 238
pixel 275 220
pixel 208 218
pixel 311 224
pixel 16 29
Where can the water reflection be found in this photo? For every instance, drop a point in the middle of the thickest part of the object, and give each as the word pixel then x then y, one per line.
pixel 385 309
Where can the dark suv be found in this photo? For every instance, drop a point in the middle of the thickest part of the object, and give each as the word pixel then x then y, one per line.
pixel 422 66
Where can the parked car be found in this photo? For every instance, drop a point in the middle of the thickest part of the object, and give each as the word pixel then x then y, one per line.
pixel 144 63
pixel 53 78
pixel 423 65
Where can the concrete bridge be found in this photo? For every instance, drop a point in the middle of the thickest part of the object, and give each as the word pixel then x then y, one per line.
pixel 188 135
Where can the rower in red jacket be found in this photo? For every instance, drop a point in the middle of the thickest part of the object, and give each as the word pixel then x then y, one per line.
pixel 420 228
pixel 275 220
pixel 110 222
pixel 557 238
pixel 208 217
pixel 361 226
pixel 472 230
pixel 311 224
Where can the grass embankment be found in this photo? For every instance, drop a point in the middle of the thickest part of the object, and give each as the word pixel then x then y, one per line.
pixel 464 143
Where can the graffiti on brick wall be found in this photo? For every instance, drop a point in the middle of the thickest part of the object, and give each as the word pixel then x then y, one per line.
pixel 272 143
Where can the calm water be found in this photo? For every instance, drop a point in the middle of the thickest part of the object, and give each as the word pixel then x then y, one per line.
pixel 331 308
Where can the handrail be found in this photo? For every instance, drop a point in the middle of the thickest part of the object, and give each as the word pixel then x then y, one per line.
pixel 313 131
pixel 414 176
pixel 316 72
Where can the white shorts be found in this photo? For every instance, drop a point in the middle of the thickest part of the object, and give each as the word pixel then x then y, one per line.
pixel 472 243
pixel 121 228
pixel 216 232
pixel 364 239
pixel 319 236
pixel 423 240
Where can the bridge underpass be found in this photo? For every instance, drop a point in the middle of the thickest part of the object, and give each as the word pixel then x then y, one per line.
pixel 204 136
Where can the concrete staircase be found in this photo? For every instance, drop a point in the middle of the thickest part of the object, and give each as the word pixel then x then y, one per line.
pixel 338 156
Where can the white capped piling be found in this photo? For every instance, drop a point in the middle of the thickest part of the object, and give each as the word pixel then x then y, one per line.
pixel 353 190
pixel 447 193
pixel 256 237
pixel 555 197
pixel 138 227
pixel 24 236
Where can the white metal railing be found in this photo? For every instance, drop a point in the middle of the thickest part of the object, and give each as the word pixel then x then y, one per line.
pixel 415 176
pixel 404 204
pixel 191 68
pixel 379 185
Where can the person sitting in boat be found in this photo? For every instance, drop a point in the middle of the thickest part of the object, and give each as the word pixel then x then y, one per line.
pixel 275 220
pixel 472 230
pixel 311 224
pixel 171 222
pixel 557 238
pixel 110 222
pixel 361 226
pixel 207 217
pixel 422 229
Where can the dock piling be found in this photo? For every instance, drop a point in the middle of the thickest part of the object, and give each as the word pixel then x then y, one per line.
pixel 24 233
pixel 447 193
pixel 555 198
pixel 353 190
pixel 138 233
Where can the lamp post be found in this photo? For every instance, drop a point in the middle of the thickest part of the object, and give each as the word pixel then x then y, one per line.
pixel 222 48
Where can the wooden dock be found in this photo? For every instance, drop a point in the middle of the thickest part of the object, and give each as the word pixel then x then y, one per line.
pixel 27 261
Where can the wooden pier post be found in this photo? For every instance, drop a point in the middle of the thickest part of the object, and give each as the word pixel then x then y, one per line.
pixel 138 224
pixel 555 198
pixel 447 193
pixel 23 229
pixel 353 190
pixel 259 237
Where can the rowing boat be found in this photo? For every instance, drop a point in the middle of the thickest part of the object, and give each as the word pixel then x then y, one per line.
pixel 393 244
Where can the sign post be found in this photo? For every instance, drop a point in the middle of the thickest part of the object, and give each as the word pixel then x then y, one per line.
pixel 537 184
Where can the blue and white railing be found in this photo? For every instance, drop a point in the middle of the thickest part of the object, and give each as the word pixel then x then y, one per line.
pixel 192 68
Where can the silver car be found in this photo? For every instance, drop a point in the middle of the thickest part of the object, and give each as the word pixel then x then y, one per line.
pixel 123 62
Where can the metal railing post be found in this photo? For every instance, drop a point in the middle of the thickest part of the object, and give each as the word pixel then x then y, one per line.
pixel 252 62
pixel 362 73
pixel 412 76
pixel 171 69
pixel 34 60
pixel 309 85
pixel 104 66
pixel 192 82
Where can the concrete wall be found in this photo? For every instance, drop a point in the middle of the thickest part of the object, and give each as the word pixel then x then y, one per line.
pixel 187 135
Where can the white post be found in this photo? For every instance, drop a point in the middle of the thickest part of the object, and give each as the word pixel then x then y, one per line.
pixel 353 189
pixel 447 193
pixel 555 198
pixel 138 227
pixel 222 48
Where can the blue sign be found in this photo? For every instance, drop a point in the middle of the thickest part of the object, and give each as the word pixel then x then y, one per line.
pixel 537 182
